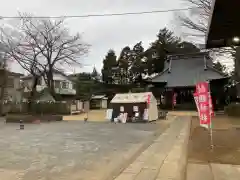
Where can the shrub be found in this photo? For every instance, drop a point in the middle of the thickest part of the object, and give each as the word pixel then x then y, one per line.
pixel 233 110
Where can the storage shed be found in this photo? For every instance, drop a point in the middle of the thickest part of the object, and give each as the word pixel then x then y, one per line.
pixel 99 102
pixel 131 103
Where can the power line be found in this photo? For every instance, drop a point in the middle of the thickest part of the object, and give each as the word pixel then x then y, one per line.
pixel 102 15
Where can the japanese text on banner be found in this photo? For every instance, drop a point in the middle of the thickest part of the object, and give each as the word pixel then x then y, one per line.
pixel 204 109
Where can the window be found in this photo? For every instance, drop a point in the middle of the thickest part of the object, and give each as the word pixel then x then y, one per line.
pixel 10 82
pixel 57 84
pixel 39 81
pixel 74 86
pixel 65 85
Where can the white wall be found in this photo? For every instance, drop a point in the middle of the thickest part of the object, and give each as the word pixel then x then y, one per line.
pixel 14 92
pixel 29 82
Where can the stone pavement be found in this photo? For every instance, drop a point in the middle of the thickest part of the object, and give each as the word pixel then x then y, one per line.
pixel 165 159
pixel 213 171
pixel 93 116
pixel 70 150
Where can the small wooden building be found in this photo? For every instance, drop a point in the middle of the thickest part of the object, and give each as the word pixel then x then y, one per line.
pixel 131 103
pixel 99 102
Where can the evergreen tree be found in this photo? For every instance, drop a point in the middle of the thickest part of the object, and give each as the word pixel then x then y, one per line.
pixel 124 60
pixel 123 73
pixel 109 63
pixel 95 75
pixel 138 65
pixel 166 44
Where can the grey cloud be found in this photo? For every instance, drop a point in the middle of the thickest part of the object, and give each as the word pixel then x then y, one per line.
pixel 102 33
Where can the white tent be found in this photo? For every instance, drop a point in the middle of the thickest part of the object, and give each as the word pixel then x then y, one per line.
pixel 144 100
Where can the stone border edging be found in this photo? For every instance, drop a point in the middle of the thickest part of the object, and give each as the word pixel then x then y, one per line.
pixel 124 164
pixel 177 156
pixel 184 157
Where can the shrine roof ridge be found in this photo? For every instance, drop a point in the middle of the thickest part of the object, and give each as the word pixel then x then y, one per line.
pixel 187 55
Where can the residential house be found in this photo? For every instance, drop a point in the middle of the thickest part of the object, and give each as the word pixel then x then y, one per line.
pixel 63 86
pixel 11 85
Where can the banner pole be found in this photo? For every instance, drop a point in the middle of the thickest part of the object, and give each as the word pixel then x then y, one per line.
pixel 210 125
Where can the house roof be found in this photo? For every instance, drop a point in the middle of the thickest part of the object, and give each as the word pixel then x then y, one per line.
pixel 12 73
pixel 99 97
pixel 54 71
pixel 187 70
pixel 132 97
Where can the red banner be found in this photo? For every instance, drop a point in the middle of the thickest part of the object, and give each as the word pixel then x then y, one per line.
pixel 211 105
pixel 202 87
pixel 174 99
pixel 195 95
pixel 204 108
pixel 204 103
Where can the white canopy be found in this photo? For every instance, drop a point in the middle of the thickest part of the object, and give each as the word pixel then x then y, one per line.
pixel 133 97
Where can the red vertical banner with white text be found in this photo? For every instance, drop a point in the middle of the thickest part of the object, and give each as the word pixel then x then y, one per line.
pixel 202 92
pixel 174 100
pixel 195 95
pixel 211 105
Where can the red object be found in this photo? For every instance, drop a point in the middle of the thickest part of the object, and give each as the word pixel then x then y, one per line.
pixel 149 98
pixel 203 101
pixel 195 95
pixel 174 99
pixel 202 87
pixel 204 108
pixel 37 121
pixel 211 105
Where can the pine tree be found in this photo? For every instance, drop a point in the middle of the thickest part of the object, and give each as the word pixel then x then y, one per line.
pixel 166 44
pixel 94 74
pixel 138 66
pixel 109 63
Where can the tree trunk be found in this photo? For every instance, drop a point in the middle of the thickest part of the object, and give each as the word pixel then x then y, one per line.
pixel 31 98
pixel 3 87
pixel 50 84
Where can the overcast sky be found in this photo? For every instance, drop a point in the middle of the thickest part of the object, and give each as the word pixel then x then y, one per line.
pixel 103 33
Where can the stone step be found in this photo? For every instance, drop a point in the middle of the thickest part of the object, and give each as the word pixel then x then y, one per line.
pixel 199 172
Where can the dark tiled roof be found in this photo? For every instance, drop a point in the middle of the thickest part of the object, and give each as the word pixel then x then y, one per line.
pixel 12 73
pixel 187 71
pixel 54 71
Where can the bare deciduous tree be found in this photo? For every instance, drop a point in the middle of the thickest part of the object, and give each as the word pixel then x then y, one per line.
pixel 198 21
pixel 198 25
pixel 43 46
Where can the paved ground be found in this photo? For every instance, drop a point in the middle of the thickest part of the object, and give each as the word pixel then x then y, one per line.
pixel 213 171
pixel 68 150
pixel 93 116
pixel 165 159
pixel 223 161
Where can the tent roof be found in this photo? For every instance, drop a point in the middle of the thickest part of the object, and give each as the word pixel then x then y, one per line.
pixel 132 97
pixel 182 71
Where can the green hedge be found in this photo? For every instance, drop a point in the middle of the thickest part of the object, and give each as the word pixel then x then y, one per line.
pixel 41 108
pixel 233 110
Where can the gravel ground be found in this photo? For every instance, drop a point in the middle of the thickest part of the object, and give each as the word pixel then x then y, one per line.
pixel 66 150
